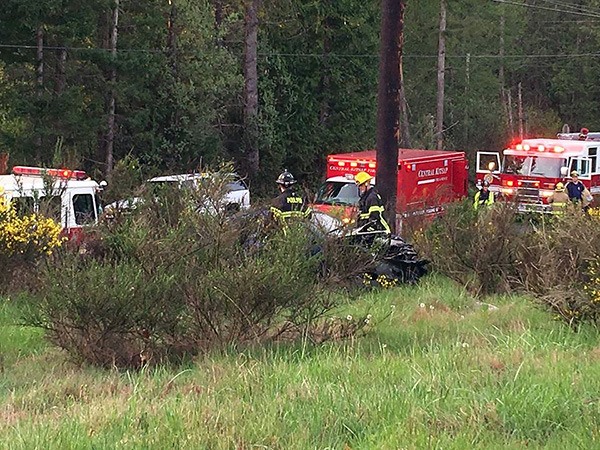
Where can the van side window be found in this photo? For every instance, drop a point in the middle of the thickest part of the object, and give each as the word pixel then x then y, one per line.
pixel 593 154
pixel 23 206
pixel 83 206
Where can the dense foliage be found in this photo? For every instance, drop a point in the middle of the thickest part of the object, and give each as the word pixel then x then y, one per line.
pixel 179 79
pixel 497 250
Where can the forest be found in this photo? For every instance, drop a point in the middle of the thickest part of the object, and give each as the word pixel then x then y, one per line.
pixel 179 84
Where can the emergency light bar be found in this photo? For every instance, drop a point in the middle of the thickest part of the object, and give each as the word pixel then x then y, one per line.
pixel 370 165
pixel 65 174
pixel 539 148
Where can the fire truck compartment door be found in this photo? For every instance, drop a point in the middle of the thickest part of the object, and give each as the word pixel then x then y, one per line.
pixel 488 162
pixel 582 165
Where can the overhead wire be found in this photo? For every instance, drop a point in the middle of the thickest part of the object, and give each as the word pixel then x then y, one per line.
pixel 566 11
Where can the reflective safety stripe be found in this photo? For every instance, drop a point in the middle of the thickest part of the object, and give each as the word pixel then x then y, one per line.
pixel 380 210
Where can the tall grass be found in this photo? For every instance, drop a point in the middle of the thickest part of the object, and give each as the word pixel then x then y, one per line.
pixel 437 370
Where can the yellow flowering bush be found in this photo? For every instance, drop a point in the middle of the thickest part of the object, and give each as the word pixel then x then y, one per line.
pixel 26 236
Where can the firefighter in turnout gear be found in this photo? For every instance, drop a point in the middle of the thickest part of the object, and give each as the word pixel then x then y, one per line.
pixel 559 199
pixel 483 196
pixel 289 205
pixel 370 206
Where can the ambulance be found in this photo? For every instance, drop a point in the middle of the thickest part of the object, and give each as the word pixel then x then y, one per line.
pixel 69 197
pixel 427 180
pixel 526 172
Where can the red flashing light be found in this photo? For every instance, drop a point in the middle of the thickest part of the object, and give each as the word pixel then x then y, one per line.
pixel 541 148
pixel 558 149
pixel 519 147
pixel 510 183
pixel 65 174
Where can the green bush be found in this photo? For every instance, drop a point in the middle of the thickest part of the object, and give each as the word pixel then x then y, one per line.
pixel 497 250
pixel 179 275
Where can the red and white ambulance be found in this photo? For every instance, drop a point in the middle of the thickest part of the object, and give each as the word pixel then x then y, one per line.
pixel 427 179
pixel 68 196
pixel 527 172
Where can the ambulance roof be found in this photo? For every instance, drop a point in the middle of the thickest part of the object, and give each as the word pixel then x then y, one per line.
pixel 403 154
pixel 28 183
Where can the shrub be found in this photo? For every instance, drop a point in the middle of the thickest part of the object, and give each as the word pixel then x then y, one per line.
pixel 178 276
pixel 24 240
pixel 496 250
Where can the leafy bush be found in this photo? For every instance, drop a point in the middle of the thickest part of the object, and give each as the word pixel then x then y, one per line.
pixel 179 275
pixel 497 250
pixel 24 240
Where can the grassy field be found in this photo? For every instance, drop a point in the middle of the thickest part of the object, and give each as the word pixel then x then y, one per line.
pixel 435 371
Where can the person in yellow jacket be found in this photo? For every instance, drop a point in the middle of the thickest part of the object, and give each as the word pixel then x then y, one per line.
pixel 483 196
pixel 559 199
pixel 370 206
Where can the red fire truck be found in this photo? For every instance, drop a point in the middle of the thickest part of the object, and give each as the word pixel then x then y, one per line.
pixel 528 171
pixel 427 179
pixel 68 196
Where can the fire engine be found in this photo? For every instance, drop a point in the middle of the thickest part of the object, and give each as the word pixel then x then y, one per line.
pixel 68 196
pixel 427 179
pixel 528 171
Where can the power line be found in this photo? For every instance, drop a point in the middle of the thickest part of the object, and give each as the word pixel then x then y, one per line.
pixel 573 7
pixel 320 55
pixel 525 5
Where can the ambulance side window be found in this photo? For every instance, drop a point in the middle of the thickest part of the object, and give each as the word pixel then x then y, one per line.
pixel 593 154
pixel 50 207
pixel 83 206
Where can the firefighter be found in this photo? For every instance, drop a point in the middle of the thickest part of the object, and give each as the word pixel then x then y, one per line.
pixel 575 188
pixel 483 196
pixel 289 205
pixel 370 206
pixel 559 199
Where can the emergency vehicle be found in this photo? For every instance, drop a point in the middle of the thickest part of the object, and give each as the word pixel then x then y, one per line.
pixel 69 197
pixel 528 171
pixel 427 179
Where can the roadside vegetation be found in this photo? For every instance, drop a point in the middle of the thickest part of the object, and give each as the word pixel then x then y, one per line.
pixel 436 370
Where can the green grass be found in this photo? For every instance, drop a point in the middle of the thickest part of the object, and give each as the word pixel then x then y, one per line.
pixel 455 376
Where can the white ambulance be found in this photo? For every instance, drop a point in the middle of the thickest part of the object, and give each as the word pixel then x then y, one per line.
pixel 68 196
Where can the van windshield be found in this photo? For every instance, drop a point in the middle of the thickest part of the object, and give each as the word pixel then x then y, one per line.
pixel 533 165
pixel 337 193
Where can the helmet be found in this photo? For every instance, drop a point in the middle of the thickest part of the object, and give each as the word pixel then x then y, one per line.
pixel 286 179
pixel 574 173
pixel 362 178
pixel 559 187
pixel 485 183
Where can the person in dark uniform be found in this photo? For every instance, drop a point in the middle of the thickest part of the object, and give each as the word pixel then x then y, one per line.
pixel 575 188
pixel 288 205
pixel 483 197
pixel 370 206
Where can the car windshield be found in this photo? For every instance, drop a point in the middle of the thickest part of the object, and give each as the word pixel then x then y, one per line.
pixel 337 193
pixel 533 165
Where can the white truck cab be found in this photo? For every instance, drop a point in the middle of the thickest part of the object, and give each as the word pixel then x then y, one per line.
pixel 69 197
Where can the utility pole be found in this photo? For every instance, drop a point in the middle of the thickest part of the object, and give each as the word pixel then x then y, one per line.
pixel 388 112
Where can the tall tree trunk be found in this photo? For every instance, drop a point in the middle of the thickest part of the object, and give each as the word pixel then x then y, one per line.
pixel 439 128
pixel 251 86
pixel 325 81
pixel 172 37
pixel 404 122
pixel 61 71
pixel 39 78
pixel 110 133
pixel 388 111
pixel 520 106
pixel 511 123
pixel 218 5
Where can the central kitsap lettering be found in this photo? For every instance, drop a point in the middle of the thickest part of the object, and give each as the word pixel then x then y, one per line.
pixel 432 172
